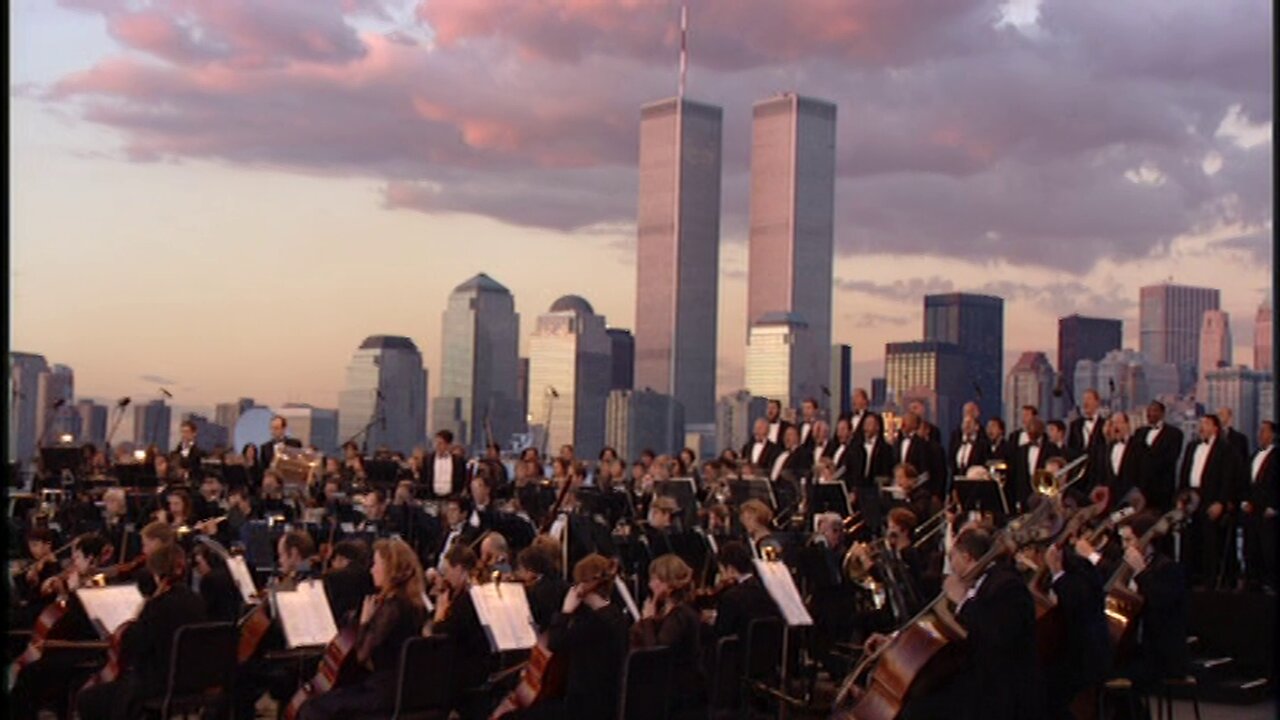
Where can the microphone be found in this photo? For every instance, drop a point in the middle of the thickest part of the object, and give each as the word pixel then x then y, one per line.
pixel 166 393
pixel 124 402
pixel 1057 388
pixel 59 403
pixel 977 389
pixel 825 391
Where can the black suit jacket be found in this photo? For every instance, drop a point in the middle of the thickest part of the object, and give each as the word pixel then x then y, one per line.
pixel 918 453
pixel 798 464
pixel 1023 472
pixel 597 642
pixel 739 605
pixel 1163 619
pixel 1000 620
pixel 346 590
pixel 1221 479
pixel 1238 441
pixel 1130 474
pixel 856 420
pixel 1159 465
pixel 457 483
pixel 267 451
pixel 782 430
pixel 471 650
pixel 767 455
pixel 147 644
pixel 1264 487
pixel 1086 650
pixel 1095 446
pixel 978 453
pixel 1003 450
pixel 191 462
pixel 546 597
pixel 882 462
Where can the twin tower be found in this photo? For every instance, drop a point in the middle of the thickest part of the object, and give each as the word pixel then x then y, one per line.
pixel 791 230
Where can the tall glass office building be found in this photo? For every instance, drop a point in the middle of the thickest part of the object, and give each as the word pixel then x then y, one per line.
pixel 570 371
pixel 975 323
pixel 479 361
pixel 386 390
pixel 1170 317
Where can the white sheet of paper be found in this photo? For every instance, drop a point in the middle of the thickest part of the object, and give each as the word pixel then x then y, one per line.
pixel 242 577
pixel 111 606
pixel 305 615
pixel 777 580
pixel 504 610
pixel 627 600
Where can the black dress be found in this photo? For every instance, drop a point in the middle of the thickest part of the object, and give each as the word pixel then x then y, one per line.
pixel 678 630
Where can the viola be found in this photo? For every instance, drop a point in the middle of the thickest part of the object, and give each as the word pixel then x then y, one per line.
pixel 1123 604
pixel 48 624
pixel 110 670
pixel 707 598
pixel 338 667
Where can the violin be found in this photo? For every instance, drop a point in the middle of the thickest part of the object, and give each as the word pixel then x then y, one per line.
pixel 708 597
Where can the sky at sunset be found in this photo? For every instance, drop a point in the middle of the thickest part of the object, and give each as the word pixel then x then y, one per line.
pixel 224 197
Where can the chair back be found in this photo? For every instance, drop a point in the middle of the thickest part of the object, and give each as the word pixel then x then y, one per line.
pixel 726 677
pixel 203 658
pixel 762 653
pixel 647 685
pixel 424 662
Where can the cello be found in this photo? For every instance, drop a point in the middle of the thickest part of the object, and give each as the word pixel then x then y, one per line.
pixel 928 649
pixel 338 667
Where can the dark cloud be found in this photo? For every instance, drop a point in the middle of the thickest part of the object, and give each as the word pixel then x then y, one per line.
pixel 157 380
pixel 1077 140
pixel 870 320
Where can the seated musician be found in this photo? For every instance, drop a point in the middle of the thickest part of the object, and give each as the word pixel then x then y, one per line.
pixel 743 598
pixel 347 581
pixel 923 565
pixel 210 503
pixel 211 578
pixel 155 535
pixel 239 512
pixel 661 526
pixel 915 496
pixel 271 502
pixel 116 525
pixel 374 505
pixel 1162 622
pixel 42 565
pixel 997 611
pixel 146 644
pixel 495 555
pixel 668 618
pixel 757 520
pixel 456 617
pixel 482 512
pixel 395 614
pixel 1085 655
pixel 538 567
pixel 47 680
pixel 592 631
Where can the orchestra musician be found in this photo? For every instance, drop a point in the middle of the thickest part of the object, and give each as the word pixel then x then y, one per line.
pixel 1086 436
pixel 395 614
pixel 445 475
pixel 455 617
pixel 1029 458
pixel 347 580
pixel 757 521
pixel 147 643
pixel 1260 509
pixel 819 445
pixel 1021 436
pixel 1122 463
pixel 1084 658
pixel 777 425
pixel 120 531
pixel 187 455
pixel 211 579
pixel 831 594
pixel 495 555
pixel 279 440
pixel 968 448
pixel 668 618
pixel 741 596
pixel 1160 462
pixel 592 631
pixel 538 568
pixel 1212 468
pixel 42 565
pixel 861 402
pixel 1162 622
pixel 926 428
pixel 997 447
pixel 761 450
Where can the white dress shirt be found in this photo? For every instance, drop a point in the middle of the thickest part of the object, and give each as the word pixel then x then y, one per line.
pixel 835 459
pixel 1258 459
pixel 804 431
pixel 757 449
pixel 1023 438
pixel 442 475
pixel 869 446
pixel 1033 456
pixel 906 448
pixel 774 428
pixel 1089 424
pixel 1117 456
pixel 1198 461
pixel 1153 433
pixel 778 463
pixel 962 455
pixel 817 452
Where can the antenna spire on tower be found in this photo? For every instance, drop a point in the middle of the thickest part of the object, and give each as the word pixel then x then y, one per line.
pixel 684 48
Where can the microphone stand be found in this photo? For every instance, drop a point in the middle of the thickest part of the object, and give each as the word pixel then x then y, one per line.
pixel 115 424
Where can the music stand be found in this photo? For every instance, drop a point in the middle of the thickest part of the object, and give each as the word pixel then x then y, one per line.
pixel 135 475
pixel 982 495
pixel 55 459
pixel 382 474
pixel 829 497
pixel 685 492
pixel 752 488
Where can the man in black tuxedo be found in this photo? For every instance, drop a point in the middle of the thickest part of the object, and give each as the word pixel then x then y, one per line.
pixel 1123 463
pixel 969 410
pixel 931 432
pixel 187 455
pixel 1086 436
pixel 861 409
pixel 745 599
pixel 279 439
pixel 968 448
pixel 1234 437
pixel 1085 656
pixel 788 467
pixel 820 444
pixel 997 612
pixel 873 458
pixel 913 448
pixel 841 449
pixel 1260 510
pixel 1211 468
pixel 1162 622
pixel 1030 458
pixel 443 474
pixel 777 426
pixel 760 451
pixel 1020 437
pixel 1056 432
pixel 996 446
pixel 808 416
pixel 1163 444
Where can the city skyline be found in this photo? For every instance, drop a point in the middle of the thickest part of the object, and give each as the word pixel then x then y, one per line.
pixel 187 233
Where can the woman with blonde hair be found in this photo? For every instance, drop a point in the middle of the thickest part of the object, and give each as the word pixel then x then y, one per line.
pixel 387 619
pixel 669 619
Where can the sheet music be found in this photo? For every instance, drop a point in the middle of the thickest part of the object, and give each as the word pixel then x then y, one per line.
pixel 627 600
pixel 777 580
pixel 305 615
pixel 110 607
pixel 504 611
pixel 242 577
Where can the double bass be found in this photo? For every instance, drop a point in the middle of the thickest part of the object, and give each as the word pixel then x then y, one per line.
pixel 929 648
pixel 337 667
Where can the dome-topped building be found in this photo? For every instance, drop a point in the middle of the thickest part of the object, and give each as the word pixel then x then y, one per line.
pixel 574 304
pixel 388 342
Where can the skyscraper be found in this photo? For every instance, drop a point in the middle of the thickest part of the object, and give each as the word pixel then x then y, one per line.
pixel 24 377
pixel 386 392
pixel 228 414
pixel 1262 337
pixel 735 414
pixel 778 365
pixel 637 420
pixel 1126 380
pixel 624 359
pixel 151 424
pixel 93 422
pixel 55 395
pixel 931 371
pixel 840 387
pixel 1030 382
pixel 1215 346
pixel 677 255
pixel 569 376
pixel 1084 338
pixel 479 358
pixel 211 435
pixel 792 217
pixel 975 323
pixel 1240 389
pixel 1170 318
pixel 313 426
